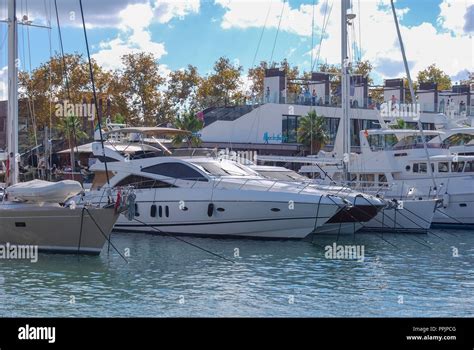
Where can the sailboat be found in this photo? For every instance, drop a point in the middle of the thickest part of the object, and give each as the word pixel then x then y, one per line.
pixel 40 213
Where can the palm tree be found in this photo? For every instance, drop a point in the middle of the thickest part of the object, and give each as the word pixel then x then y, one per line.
pixel 399 124
pixel 190 122
pixel 312 131
pixel 70 128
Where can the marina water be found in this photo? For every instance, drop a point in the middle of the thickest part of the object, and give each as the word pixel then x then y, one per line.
pixel 400 275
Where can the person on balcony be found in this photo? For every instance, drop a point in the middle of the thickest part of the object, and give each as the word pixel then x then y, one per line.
pixel 314 98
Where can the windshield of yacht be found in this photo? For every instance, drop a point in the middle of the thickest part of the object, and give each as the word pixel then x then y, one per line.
pixel 224 169
pixel 390 141
pixel 283 175
pixel 459 140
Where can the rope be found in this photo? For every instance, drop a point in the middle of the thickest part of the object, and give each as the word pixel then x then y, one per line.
pixel 278 31
pixel 184 241
pixel 80 231
pixel 99 117
pixel 326 17
pixel 312 34
pixel 261 34
pixel 103 234
pixel 64 73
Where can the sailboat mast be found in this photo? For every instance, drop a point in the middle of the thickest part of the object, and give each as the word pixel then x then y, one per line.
pixel 12 115
pixel 345 84
pixel 413 96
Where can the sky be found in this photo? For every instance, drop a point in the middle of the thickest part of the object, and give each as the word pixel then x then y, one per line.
pixel 197 32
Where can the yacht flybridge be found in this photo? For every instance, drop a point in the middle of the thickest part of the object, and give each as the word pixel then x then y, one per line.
pixel 200 195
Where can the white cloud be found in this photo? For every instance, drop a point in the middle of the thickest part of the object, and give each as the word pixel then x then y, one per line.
pixel 133 37
pixel 103 13
pixel 453 15
pixel 134 34
pixel 250 13
pixel 166 10
pixel 424 44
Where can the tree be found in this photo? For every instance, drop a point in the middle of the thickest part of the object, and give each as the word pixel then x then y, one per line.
pixel 141 80
pixel 222 87
pixel 292 73
pixel 46 86
pixel 257 75
pixel 399 124
pixel 469 80
pixel 312 131
pixel 182 88
pixel 433 74
pixel 70 128
pixel 190 122
pixel 363 68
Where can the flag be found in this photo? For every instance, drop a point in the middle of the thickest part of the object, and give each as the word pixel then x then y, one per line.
pixel 200 116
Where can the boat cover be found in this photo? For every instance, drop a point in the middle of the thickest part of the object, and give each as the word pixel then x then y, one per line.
pixel 44 191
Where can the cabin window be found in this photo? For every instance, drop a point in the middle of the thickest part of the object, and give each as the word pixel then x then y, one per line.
pixel 443 167
pixel 469 167
pixel 420 168
pixel 457 167
pixel 175 171
pixel 382 178
pixel 367 180
pixel 142 182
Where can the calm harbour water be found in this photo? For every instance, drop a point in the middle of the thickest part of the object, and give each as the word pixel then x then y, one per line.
pixel 410 276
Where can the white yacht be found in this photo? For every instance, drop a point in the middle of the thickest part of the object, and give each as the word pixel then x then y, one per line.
pixel 403 215
pixel 211 197
pixel 362 210
pixel 394 161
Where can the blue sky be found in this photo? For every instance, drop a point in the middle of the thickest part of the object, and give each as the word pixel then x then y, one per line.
pixel 198 32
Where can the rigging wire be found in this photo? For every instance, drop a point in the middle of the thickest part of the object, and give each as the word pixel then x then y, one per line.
pixel 327 15
pixel 65 76
pixel 278 31
pixel 261 34
pixel 312 36
pixel 27 69
pixel 49 138
pixel 99 117
pixel 31 101
pixel 360 31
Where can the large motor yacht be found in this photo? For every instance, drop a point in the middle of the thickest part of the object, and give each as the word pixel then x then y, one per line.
pixel 208 196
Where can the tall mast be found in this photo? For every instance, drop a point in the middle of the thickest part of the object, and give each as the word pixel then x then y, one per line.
pixel 412 93
pixel 12 115
pixel 345 86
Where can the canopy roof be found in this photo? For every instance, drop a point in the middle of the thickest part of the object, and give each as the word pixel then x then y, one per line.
pixel 149 131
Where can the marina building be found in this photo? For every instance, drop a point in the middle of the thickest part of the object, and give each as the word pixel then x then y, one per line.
pixel 269 125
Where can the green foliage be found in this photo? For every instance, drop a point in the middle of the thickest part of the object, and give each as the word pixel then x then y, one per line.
pixel 312 131
pixel 433 74
pixel 188 121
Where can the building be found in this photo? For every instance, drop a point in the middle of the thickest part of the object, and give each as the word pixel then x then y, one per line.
pixel 269 126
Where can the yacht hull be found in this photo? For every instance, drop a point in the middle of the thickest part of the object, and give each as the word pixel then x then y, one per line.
pixel 457 212
pixel 416 216
pixel 232 219
pixel 55 228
